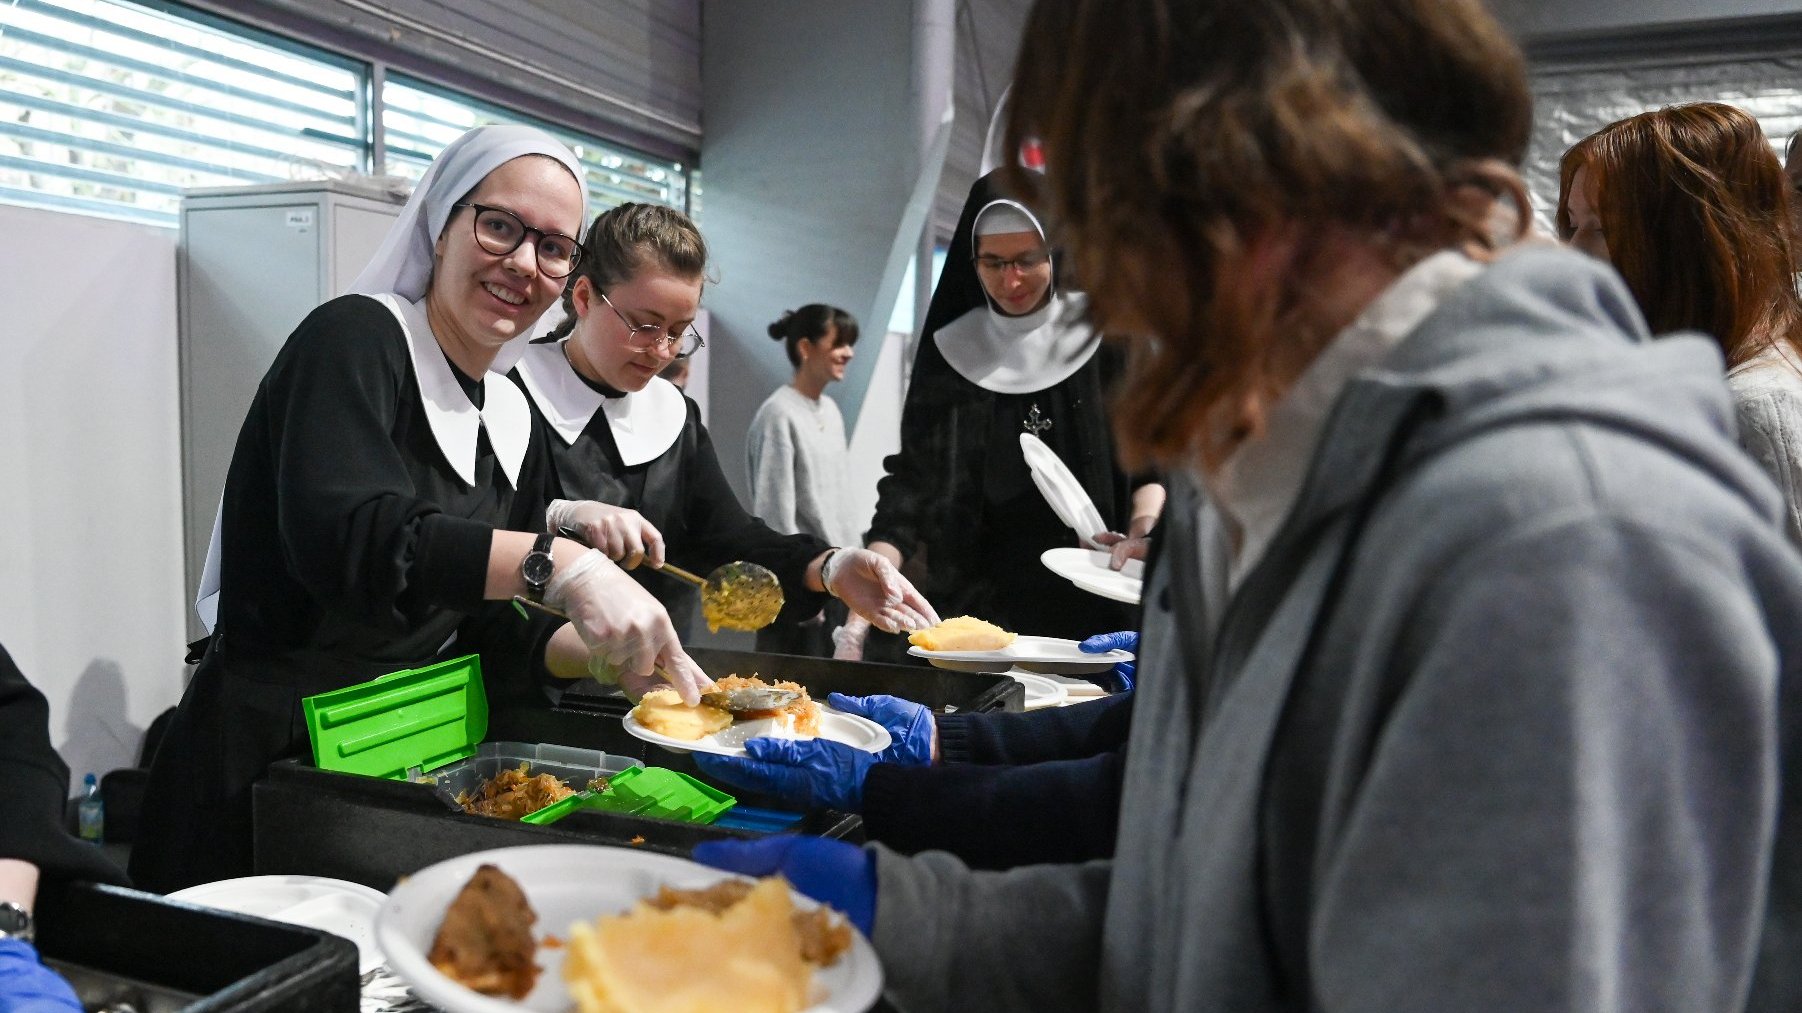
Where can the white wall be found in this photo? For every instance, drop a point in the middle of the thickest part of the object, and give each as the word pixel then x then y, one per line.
pixel 90 523
pixel 1543 19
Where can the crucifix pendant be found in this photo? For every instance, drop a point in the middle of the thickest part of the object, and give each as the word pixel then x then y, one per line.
pixel 1035 423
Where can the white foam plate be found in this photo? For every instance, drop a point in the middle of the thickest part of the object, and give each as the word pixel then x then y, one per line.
pixel 1041 691
pixel 836 725
pixel 1068 499
pixel 1034 654
pixel 330 905
pixel 567 883
pixel 1088 570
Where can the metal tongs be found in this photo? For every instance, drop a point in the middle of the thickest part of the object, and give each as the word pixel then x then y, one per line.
pixel 750 698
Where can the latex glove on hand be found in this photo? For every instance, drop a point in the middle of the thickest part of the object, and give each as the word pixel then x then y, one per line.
pixel 27 986
pixel 807 773
pixel 841 876
pixel 1122 549
pixel 848 640
pixel 627 632
pixel 1123 672
pixel 913 734
pixel 621 533
pixel 874 589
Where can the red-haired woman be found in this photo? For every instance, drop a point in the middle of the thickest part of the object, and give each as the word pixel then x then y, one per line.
pixel 1466 683
pixel 1690 204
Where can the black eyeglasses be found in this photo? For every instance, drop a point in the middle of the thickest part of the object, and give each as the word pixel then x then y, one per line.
pixel 645 337
pixel 500 232
pixel 1025 262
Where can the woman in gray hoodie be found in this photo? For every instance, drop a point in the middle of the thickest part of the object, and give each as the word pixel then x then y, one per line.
pixel 1470 678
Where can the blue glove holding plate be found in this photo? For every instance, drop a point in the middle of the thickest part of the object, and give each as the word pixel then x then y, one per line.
pixel 841 876
pixel 809 773
pixel 910 726
pixel 27 986
pixel 1122 673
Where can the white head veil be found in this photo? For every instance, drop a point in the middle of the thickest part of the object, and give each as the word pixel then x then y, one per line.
pixel 403 264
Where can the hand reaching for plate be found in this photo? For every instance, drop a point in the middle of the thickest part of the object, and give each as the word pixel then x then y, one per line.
pixel 874 589
pixel 1124 672
pixel 809 773
pixel 1123 549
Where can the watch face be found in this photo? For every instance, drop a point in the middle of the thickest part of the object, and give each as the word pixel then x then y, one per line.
pixel 537 569
pixel 14 921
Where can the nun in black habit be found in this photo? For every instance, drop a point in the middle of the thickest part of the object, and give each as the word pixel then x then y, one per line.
pixel 619 434
pixel 383 499
pixel 1005 349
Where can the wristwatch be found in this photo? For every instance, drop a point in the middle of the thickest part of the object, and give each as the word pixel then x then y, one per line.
pixel 537 567
pixel 15 921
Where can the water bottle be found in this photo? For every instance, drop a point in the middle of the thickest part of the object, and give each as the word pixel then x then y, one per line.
pixel 92 812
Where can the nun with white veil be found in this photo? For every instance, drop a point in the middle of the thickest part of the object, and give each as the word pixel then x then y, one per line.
pixel 1005 349
pixel 384 501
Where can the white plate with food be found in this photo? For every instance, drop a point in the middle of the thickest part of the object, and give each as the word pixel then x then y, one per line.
pixel 1041 691
pixel 1054 655
pixel 330 905
pixel 661 718
pixel 493 941
pixel 1089 570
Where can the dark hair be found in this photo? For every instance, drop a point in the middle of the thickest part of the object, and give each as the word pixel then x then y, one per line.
pixel 810 323
pixel 625 240
pixel 1695 208
pixel 1179 136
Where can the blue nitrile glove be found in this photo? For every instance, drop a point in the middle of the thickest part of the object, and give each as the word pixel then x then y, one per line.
pixel 1122 675
pixel 910 726
pixel 841 876
pixel 27 986
pixel 810 773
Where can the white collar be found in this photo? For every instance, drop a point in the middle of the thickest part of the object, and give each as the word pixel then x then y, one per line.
pixel 1256 486
pixel 456 421
pixel 645 423
pixel 1020 355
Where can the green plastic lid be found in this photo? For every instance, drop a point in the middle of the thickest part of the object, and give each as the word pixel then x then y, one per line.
pixel 420 717
pixel 645 791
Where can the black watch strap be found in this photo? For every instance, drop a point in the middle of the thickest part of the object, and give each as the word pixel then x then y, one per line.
pixel 538 566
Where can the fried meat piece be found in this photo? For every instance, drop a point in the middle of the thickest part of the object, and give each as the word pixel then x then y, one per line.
pixel 485 941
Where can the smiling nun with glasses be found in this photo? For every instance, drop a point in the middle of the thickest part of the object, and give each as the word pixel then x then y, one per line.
pixel 620 435
pixel 384 501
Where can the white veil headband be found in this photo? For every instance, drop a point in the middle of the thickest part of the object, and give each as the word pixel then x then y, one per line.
pixel 403 263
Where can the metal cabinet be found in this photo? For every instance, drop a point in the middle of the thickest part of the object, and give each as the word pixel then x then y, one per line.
pixel 254 261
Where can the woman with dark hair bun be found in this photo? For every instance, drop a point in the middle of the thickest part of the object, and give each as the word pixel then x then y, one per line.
pixel 1691 206
pixel 796 451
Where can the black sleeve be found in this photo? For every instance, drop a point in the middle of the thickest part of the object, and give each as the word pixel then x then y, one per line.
pixel 1055 733
pixel 998 817
pixel 721 530
pixel 354 528
pixel 916 473
pixel 34 787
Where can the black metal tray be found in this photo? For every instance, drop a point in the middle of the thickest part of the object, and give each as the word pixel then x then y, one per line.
pixel 231 962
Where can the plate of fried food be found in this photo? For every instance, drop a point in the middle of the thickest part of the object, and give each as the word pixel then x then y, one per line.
pixel 556 928
pixel 968 644
pixel 715 725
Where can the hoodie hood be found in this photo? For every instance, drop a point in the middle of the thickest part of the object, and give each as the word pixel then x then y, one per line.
pixel 1541 334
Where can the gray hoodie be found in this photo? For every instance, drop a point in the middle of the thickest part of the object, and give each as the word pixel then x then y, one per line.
pixel 1493 724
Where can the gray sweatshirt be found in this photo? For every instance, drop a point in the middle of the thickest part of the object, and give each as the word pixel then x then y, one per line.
pixel 797 455
pixel 1493 724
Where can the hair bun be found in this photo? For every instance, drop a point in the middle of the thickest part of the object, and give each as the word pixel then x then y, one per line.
pixel 779 329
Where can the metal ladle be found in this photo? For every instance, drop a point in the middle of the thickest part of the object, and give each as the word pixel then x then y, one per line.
pixel 725 589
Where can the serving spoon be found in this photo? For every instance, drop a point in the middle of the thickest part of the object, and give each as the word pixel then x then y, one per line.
pixel 738 596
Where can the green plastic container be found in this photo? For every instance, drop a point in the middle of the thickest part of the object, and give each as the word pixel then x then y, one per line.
pixel 646 791
pixel 412 721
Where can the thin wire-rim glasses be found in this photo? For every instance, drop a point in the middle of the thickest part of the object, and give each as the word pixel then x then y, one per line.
pixel 644 337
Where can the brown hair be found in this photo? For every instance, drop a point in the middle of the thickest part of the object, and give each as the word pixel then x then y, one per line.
pixel 1695 209
pixel 625 240
pixel 1178 135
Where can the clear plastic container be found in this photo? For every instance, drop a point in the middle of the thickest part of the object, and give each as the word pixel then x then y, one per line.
pixel 575 767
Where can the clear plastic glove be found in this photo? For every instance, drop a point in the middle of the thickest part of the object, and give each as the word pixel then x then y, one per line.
pixel 808 773
pixel 621 533
pixel 841 876
pixel 1123 672
pixel 628 634
pixel 874 589
pixel 27 986
pixel 848 640
pixel 1122 549
pixel 913 734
